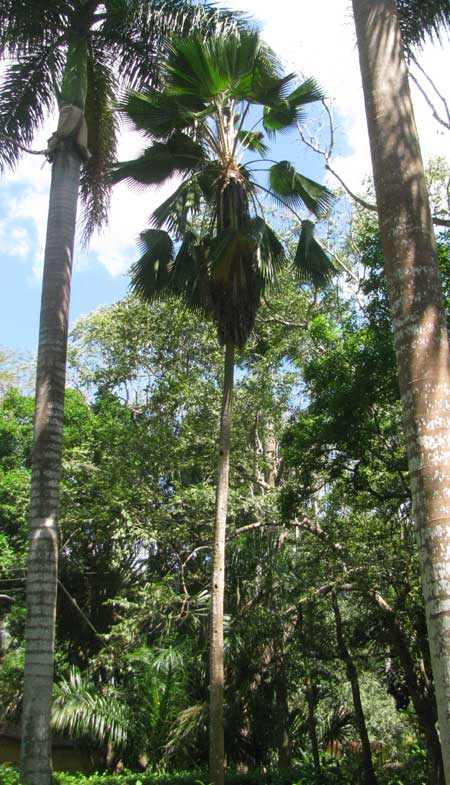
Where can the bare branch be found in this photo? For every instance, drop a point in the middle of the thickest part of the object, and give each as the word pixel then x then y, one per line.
pixel 326 154
pixel 436 115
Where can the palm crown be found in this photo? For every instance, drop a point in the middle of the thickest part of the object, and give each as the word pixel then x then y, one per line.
pixel 208 242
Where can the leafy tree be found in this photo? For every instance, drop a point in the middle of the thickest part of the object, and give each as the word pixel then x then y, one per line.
pixel 71 53
pixel 418 316
pixel 198 118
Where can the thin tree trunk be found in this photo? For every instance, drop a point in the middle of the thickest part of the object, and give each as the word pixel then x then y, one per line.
pixel 46 467
pixel 352 675
pixel 423 701
pixel 282 710
pixel 312 725
pixel 216 669
pixel 420 331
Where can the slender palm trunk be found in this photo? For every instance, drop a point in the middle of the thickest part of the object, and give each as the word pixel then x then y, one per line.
pixel 216 669
pixel 369 777
pixel 420 331
pixel 311 702
pixel 42 573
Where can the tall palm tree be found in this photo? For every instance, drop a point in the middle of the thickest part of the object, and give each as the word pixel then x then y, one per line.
pixel 72 53
pixel 418 316
pixel 216 250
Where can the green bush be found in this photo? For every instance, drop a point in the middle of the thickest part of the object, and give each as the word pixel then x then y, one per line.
pixel 8 775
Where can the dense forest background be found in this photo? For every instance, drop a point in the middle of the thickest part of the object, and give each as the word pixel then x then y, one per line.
pixel 325 627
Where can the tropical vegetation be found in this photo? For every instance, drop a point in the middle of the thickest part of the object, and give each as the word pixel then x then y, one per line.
pixel 325 660
pixel 227 253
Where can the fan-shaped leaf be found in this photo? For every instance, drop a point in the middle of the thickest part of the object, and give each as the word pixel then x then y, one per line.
pixel 311 262
pixel 269 253
pixel 158 114
pixel 150 275
pixel 253 140
pixel 161 161
pixel 173 213
pixel 297 190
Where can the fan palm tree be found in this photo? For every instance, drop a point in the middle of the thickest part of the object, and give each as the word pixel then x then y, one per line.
pixel 418 317
pixel 208 242
pixel 71 53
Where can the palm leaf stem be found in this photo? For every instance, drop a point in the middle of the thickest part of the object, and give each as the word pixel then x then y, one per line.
pixel 258 161
pixel 211 140
pixel 256 202
pixel 279 198
pixel 239 128
pixel 220 127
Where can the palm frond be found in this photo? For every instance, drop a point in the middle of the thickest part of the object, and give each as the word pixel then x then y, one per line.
pixel 80 710
pixel 24 28
pixel 311 263
pixel 26 96
pixel 173 213
pixel 195 67
pixel 189 724
pixel 189 277
pixel 158 114
pixel 282 115
pixel 161 161
pixel 137 39
pixel 269 253
pixel 419 20
pixel 253 140
pixel 102 144
pixel 337 727
pixel 150 275
pixel 297 190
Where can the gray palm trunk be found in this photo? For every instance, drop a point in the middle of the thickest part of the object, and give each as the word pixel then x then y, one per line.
pixel 42 575
pixel 216 659
pixel 419 326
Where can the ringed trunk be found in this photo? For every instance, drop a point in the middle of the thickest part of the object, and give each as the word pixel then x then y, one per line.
pixel 418 316
pixel 42 574
pixel 216 667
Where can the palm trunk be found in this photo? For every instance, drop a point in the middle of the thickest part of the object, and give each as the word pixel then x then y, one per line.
pixel 216 669
pixel 420 331
pixel 42 573
pixel 369 777
pixel 311 703
pixel 282 711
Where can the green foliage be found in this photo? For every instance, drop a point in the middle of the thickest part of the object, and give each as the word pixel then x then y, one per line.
pixel 227 252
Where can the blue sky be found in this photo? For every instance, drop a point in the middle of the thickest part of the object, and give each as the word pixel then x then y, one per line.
pixel 313 39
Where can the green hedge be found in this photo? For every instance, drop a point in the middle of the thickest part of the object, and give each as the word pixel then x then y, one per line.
pixel 10 776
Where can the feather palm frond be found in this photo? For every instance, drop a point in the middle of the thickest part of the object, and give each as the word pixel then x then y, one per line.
pixel 81 710
pixel 26 95
pixel 102 144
